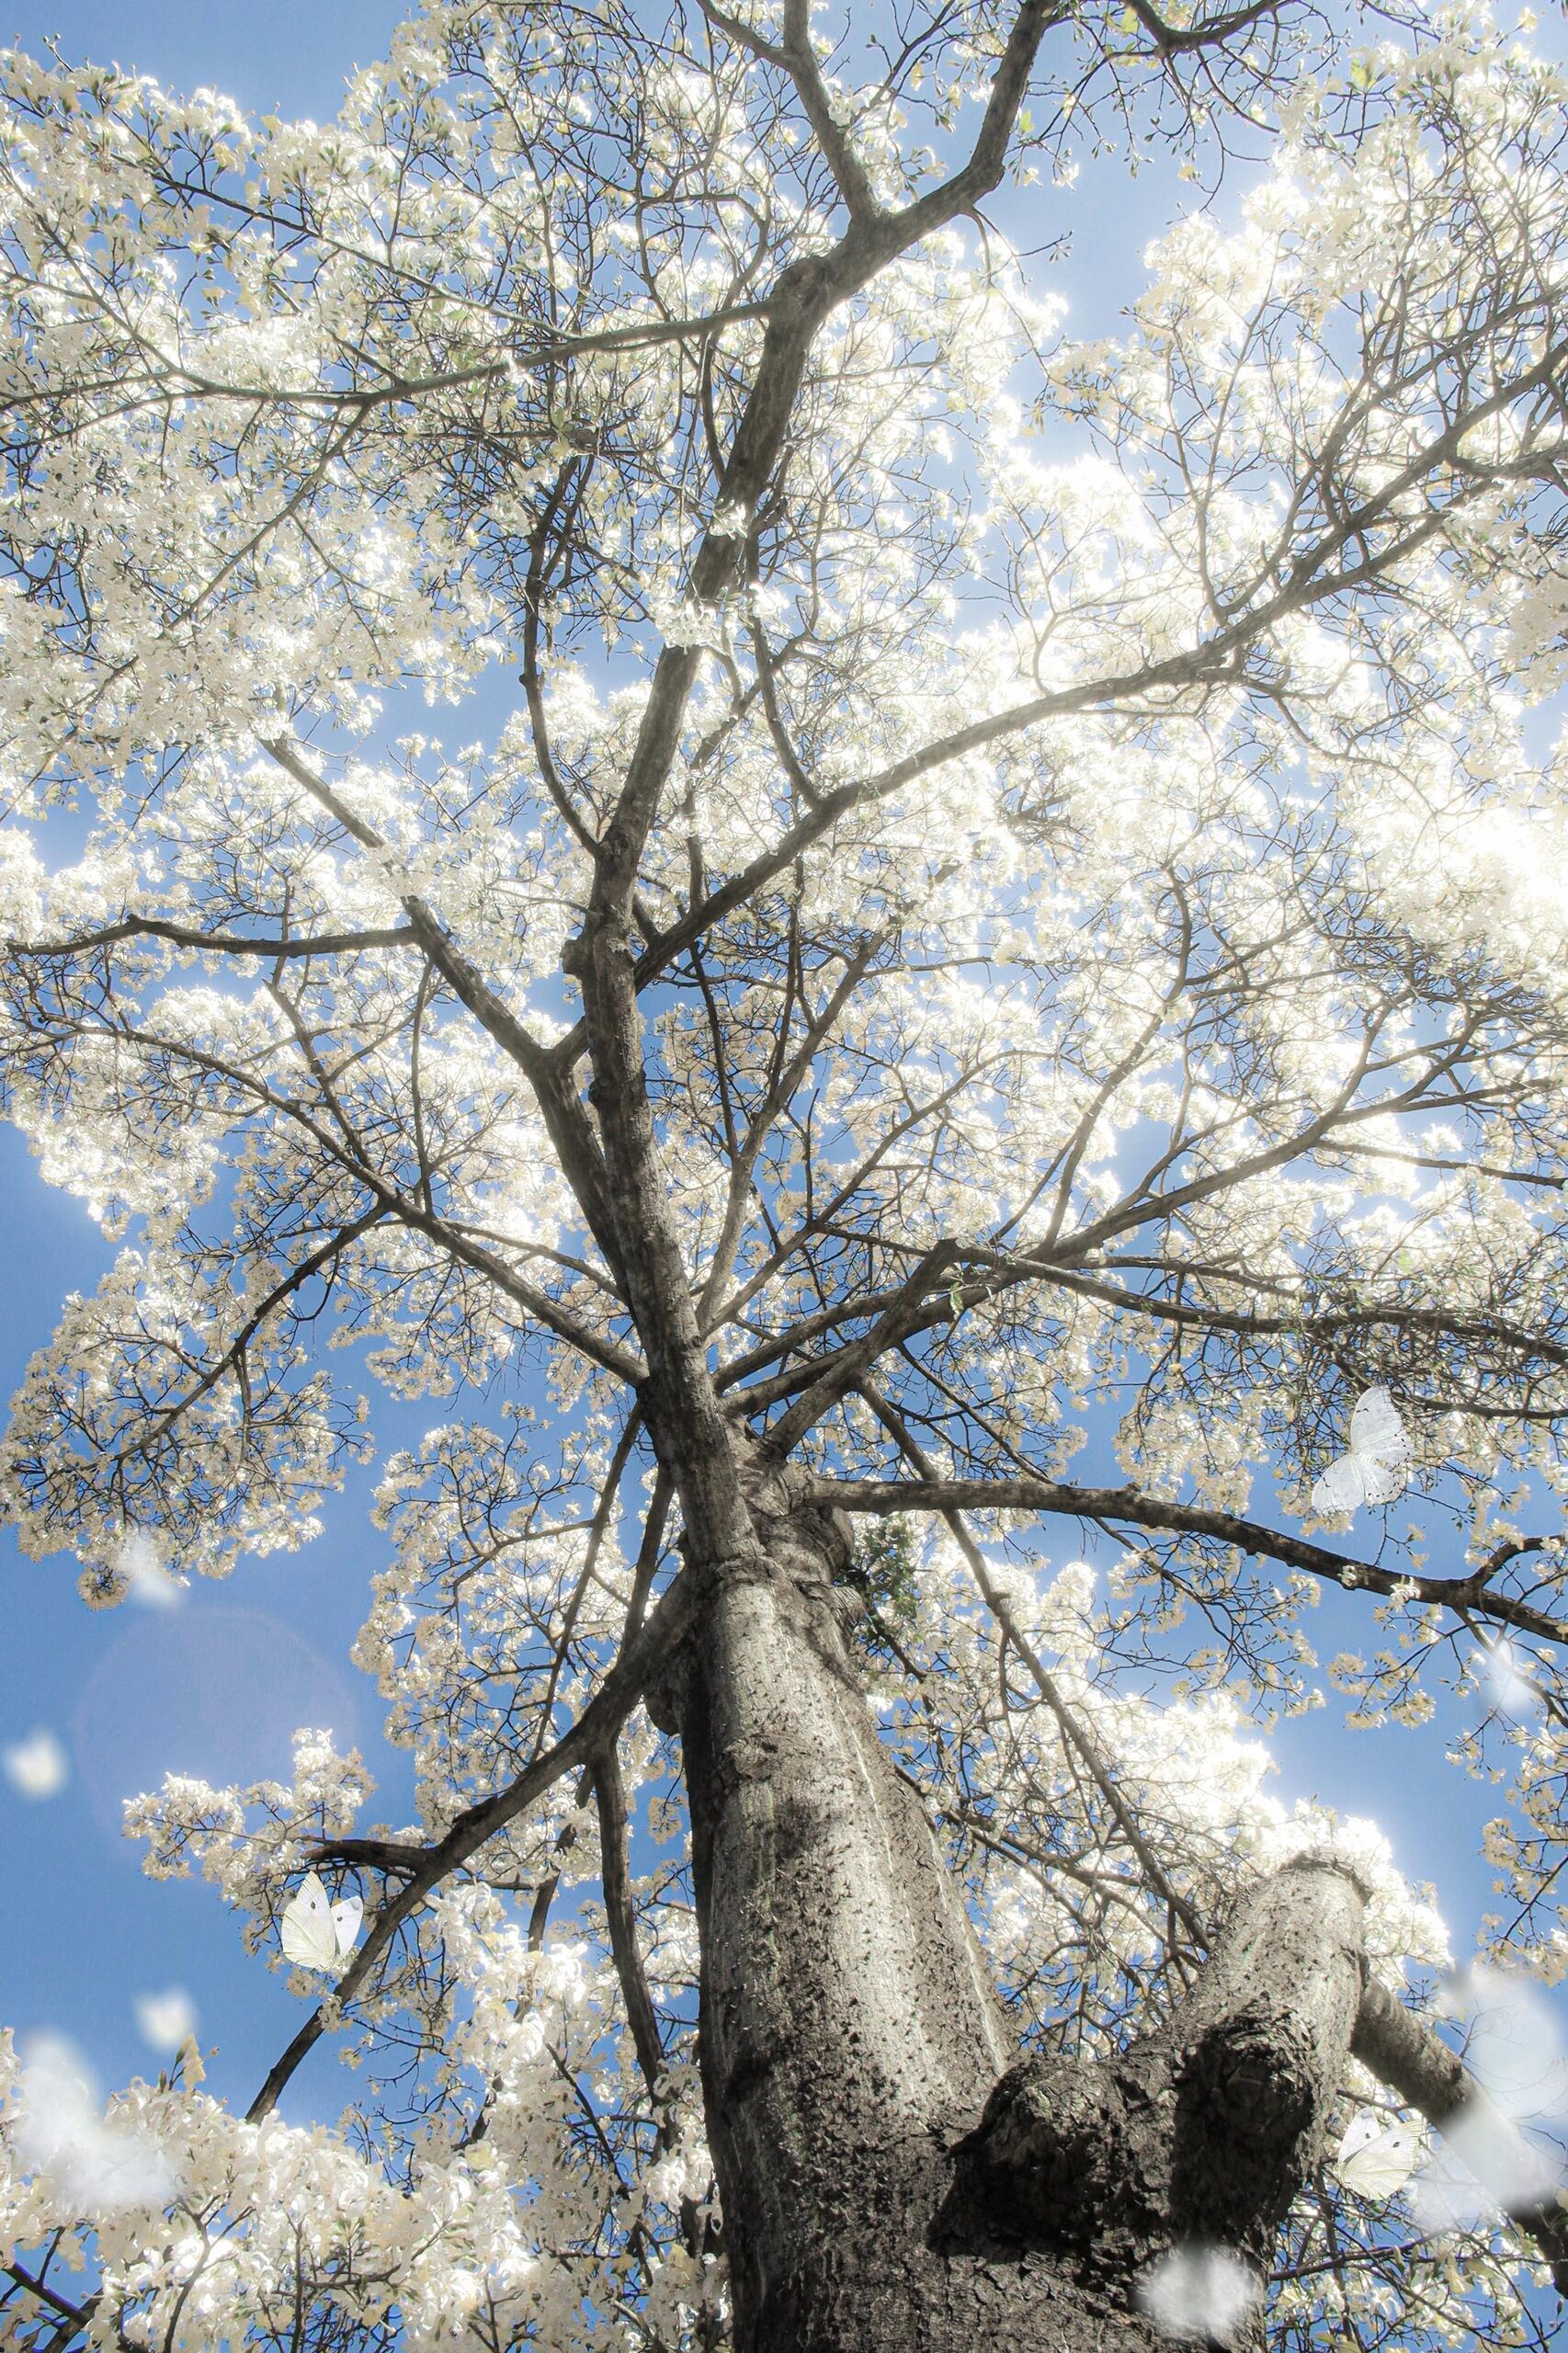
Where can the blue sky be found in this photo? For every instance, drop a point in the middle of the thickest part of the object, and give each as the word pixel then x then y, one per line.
pixel 217 1686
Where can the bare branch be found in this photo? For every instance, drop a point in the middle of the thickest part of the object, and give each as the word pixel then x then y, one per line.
pixel 1125 1505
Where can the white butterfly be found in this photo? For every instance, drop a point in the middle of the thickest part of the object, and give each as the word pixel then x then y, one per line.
pixel 1376 1469
pixel 1377 2159
pixel 316 1933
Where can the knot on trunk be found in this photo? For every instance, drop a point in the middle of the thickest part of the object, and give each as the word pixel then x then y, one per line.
pixel 1249 2095
pixel 1067 2157
pixel 1252 2075
pixel 663 1695
pixel 1198 2135
pixel 816 1540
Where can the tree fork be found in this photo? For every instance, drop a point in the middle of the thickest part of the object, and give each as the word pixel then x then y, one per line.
pixel 851 2036
pixel 1198 2134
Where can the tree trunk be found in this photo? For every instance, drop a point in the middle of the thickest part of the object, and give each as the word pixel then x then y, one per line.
pixel 893 2176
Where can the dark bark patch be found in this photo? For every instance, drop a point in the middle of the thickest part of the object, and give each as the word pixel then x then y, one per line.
pixel 1068 2158
pixel 1247 2102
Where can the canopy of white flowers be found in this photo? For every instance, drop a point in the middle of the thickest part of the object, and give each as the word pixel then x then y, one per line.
pixel 1101 948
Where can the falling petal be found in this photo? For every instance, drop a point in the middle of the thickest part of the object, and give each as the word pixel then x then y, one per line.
pixel 37 1765
pixel 96 2165
pixel 167 2019
pixel 1509 1685
pixel 1199 2292
pixel 1516 2047
pixel 137 1562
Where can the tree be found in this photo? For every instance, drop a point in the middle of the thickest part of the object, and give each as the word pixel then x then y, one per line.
pixel 1023 877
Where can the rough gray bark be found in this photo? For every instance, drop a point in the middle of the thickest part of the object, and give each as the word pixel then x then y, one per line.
pixel 892 2175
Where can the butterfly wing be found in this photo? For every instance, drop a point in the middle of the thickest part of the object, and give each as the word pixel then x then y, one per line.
pixel 1342 1487
pixel 305 1931
pixel 1383 1481
pixel 1377 2162
pixel 345 1919
pixel 1381 1443
pixel 1375 1426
